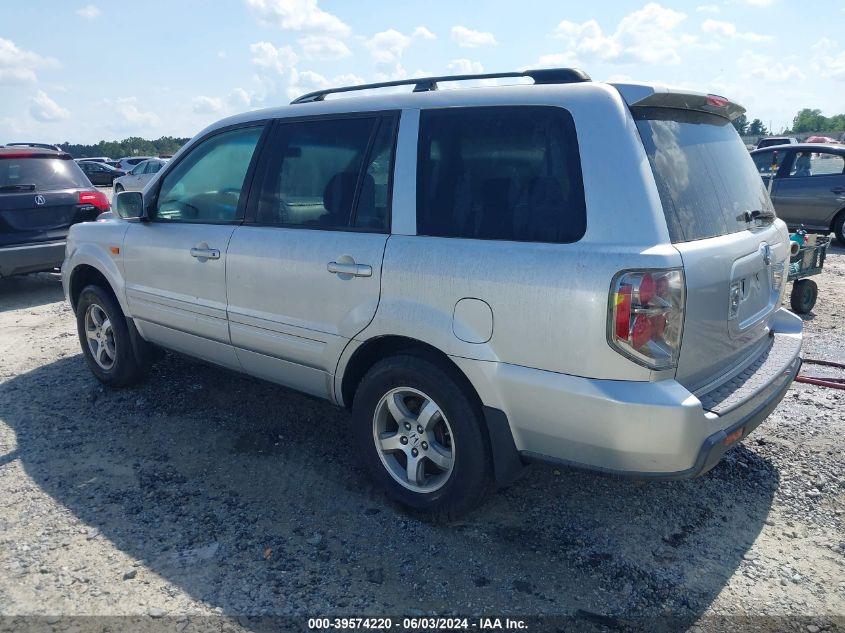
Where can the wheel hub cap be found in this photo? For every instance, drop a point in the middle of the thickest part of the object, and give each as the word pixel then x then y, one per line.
pixel 100 337
pixel 413 439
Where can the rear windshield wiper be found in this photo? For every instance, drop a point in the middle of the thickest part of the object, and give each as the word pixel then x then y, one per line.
pixel 763 215
pixel 17 188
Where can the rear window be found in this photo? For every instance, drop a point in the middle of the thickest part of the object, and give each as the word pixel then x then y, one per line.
pixel 40 174
pixel 500 173
pixel 704 174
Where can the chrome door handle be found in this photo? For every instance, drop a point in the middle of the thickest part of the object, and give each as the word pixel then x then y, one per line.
pixel 205 253
pixel 356 270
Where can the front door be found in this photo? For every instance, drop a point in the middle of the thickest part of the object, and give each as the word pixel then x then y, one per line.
pixel 175 263
pixel 304 270
pixel 811 192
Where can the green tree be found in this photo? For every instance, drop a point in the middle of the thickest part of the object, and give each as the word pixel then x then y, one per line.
pixel 809 120
pixel 756 128
pixel 741 124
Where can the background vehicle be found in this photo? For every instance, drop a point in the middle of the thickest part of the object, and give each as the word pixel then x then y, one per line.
pixel 38 145
pixel 768 141
pixel 128 163
pixel 140 175
pixel 809 185
pixel 374 252
pixel 42 193
pixel 819 139
pixel 100 173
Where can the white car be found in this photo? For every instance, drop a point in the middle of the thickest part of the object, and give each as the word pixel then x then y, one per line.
pixel 140 175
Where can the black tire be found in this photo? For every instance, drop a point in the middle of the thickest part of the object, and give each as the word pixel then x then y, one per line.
pixel 118 187
pixel 839 228
pixel 126 367
pixel 470 477
pixel 803 297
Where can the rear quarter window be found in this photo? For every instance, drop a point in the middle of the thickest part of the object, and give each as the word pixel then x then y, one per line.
pixel 500 173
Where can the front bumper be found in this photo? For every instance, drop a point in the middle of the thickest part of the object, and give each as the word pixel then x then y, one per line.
pixel 31 258
pixel 645 429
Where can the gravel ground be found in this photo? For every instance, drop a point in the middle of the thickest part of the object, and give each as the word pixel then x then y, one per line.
pixel 202 492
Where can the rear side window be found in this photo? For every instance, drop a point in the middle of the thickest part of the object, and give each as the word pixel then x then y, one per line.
pixel 706 179
pixel 40 174
pixel 817 164
pixel 329 174
pixel 500 173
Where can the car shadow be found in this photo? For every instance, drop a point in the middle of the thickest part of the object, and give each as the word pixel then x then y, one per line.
pixel 249 498
pixel 29 291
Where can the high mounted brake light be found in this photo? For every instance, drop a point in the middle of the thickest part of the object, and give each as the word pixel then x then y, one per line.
pixel 717 101
pixel 646 316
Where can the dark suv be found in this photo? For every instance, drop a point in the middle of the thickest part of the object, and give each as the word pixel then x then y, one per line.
pixel 42 193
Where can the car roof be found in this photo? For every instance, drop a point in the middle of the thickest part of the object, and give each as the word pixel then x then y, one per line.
pixel 34 152
pixel 810 147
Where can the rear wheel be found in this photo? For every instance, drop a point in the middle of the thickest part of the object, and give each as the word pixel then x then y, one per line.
pixel 839 228
pixel 421 437
pixel 803 297
pixel 106 340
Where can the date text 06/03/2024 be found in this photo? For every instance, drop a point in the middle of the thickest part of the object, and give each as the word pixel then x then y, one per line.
pixel 418 624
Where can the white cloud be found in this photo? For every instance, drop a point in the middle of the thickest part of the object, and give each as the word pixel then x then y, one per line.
pixel 765 68
pixel 760 3
pixel 423 33
pixel 729 30
pixel 222 54
pixel 44 109
pixel 207 105
pixel 558 60
pixel 707 8
pixel 89 11
pixel 298 15
pixel 323 47
pixel 127 108
pixel 647 35
pixel 465 67
pixel 268 57
pixel 828 59
pixel 388 46
pixel 18 65
pixel 309 81
pixel 239 99
pixel 468 38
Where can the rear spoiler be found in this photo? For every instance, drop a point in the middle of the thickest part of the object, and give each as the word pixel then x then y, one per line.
pixel 650 96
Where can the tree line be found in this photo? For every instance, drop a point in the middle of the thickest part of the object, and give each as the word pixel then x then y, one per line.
pixel 807 120
pixel 132 146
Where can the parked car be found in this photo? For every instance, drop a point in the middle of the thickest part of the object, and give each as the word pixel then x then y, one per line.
pixel 140 175
pixel 819 139
pixel 452 266
pixel 808 190
pixel 55 148
pixel 42 193
pixel 127 164
pixel 100 173
pixel 768 141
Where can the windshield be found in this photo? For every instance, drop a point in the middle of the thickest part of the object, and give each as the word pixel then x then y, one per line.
pixel 706 179
pixel 40 174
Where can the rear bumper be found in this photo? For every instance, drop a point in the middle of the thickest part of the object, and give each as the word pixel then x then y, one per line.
pixel 644 429
pixel 31 258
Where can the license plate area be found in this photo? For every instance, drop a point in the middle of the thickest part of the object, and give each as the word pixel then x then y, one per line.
pixel 752 294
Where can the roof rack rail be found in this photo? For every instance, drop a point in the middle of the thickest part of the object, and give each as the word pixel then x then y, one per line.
pixel 426 84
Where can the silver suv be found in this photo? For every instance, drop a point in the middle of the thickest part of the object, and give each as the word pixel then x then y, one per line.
pixel 570 271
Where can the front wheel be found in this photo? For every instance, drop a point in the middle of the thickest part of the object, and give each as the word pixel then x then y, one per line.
pixel 803 297
pixel 839 228
pixel 106 340
pixel 118 188
pixel 422 437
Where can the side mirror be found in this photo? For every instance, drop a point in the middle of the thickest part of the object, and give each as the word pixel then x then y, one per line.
pixel 129 205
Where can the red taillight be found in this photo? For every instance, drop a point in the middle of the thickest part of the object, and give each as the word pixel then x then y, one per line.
pixel 96 198
pixel 717 101
pixel 647 316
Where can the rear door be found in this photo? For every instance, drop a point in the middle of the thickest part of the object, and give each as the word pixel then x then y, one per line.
pixel 733 264
pixel 39 198
pixel 812 189
pixel 304 271
pixel 175 263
